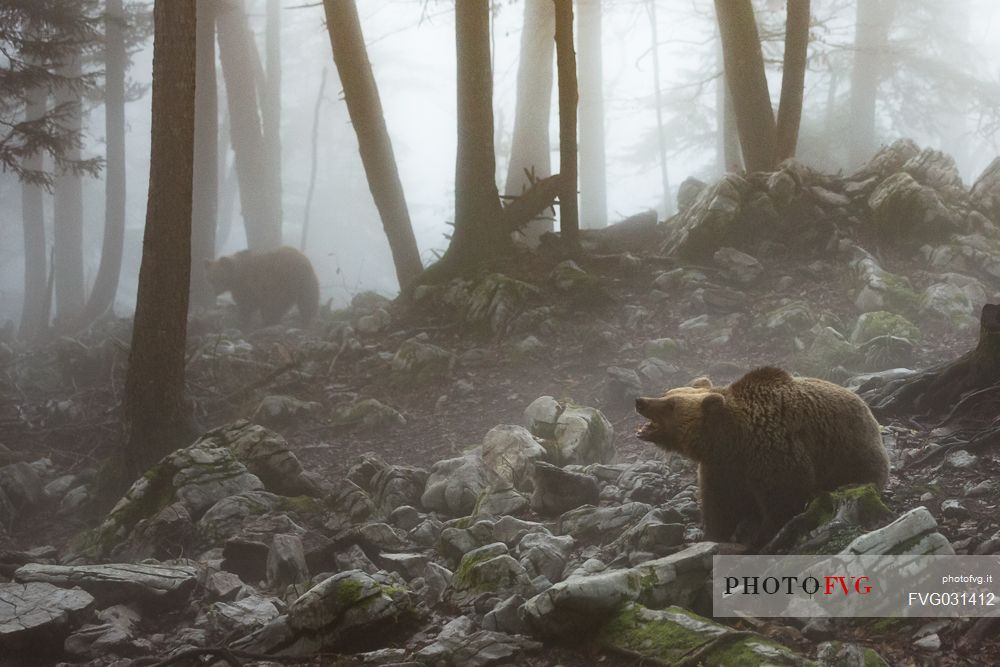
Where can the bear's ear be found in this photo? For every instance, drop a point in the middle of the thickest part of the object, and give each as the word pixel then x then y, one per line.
pixel 701 382
pixel 713 403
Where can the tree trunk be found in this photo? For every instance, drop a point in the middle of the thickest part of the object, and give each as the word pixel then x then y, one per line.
pixel 728 147
pixel 205 205
pixel 747 83
pixel 569 223
pixel 593 179
pixel 261 212
pixel 155 420
pixel 661 140
pixel 870 37
pixel 940 388
pixel 793 75
pixel 478 232
pixel 271 103
pixel 34 312
pixel 67 213
pixel 102 295
pixel 530 149
pixel 365 109
pixel 313 163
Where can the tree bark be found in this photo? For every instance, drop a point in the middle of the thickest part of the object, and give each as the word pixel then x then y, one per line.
pixel 155 420
pixel 747 82
pixel 102 295
pixel 313 162
pixel 205 205
pixel 728 147
pixel 478 233
pixel 793 75
pixel 871 34
pixel 569 223
pixel 261 212
pixel 365 109
pixel 67 213
pixel 530 149
pixel 938 388
pixel 593 178
pixel 271 103
pixel 34 311
pixel 661 139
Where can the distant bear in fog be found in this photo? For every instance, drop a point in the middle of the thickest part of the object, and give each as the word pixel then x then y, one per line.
pixel 766 445
pixel 268 282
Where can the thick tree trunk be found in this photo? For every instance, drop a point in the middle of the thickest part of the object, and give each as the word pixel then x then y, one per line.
pixel 365 109
pixel 155 420
pixel 569 223
pixel 661 139
pixel 747 82
pixel 938 389
pixel 530 150
pixel 793 75
pixel 593 179
pixel 478 233
pixel 871 34
pixel 728 154
pixel 261 212
pixel 271 102
pixel 67 214
pixel 34 310
pixel 102 295
pixel 205 205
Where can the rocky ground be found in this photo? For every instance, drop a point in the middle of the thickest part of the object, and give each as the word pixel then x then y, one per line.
pixel 456 481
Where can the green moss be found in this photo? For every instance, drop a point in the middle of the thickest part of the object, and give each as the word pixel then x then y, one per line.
pixel 743 652
pixel 464 575
pixel 906 545
pixel 349 593
pixel 301 505
pixel 662 639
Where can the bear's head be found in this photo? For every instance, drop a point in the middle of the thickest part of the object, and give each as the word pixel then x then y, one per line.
pixel 221 274
pixel 681 418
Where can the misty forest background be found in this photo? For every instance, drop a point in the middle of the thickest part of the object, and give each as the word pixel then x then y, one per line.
pixel 651 114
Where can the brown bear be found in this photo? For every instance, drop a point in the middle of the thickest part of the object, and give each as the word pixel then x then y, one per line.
pixel 270 282
pixel 765 445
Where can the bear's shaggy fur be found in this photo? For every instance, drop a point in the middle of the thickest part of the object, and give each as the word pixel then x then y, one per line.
pixel 765 445
pixel 267 282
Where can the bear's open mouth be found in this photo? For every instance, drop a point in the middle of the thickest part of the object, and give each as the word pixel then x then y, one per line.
pixel 647 431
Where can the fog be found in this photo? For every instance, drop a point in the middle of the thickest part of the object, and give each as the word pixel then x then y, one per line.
pixel 411 45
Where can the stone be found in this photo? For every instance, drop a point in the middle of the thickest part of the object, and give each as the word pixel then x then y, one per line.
pixel 961 460
pixel 280 410
pixel 669 635
pixel 457 644
pixel 688 192
pixel 580 435
pixel 349 602
pixel 29 611
pixel 505 617
pixel 166 585
pixel 914 533
pixel 665 349
pixel 286 562
pixel 954 509
pixel 168 534
pixel 905 211
pixel 947 304
pixel 503 502
pixel 245 558
pixel 370 414
pixel 488 570
pixel 601 524
pixel 656 373
pixel 929 643
pixel 883 323
pixel 883 352
pixel 265 454
pixel 420 358
pixel 579 601
pixel 396 486
pixel 114 635
pixel 226 518
pixel 21 484
pixel 455 485
pixel 558 490
pixel 456 541
pixel 621 386
pixel 241 617
pixel 738 266
pixel 510 452
pixel 544 554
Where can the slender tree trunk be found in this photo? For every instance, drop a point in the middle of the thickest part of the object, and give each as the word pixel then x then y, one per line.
pixel 205 205
pixel 747 82
pixel 530 149
pixel 314 162
pixel 102 295
pixel 793 75
pixel 365 109
pixel 271 103
pixel 728 146
pixel 34 312
pixel 569 221
pixel 67 214
pixel 661 140
pixel 593 178
pixel 261 212
pixel 871 34
pixel 155 419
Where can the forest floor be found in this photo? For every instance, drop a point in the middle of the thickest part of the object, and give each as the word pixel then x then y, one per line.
pixel 61 400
